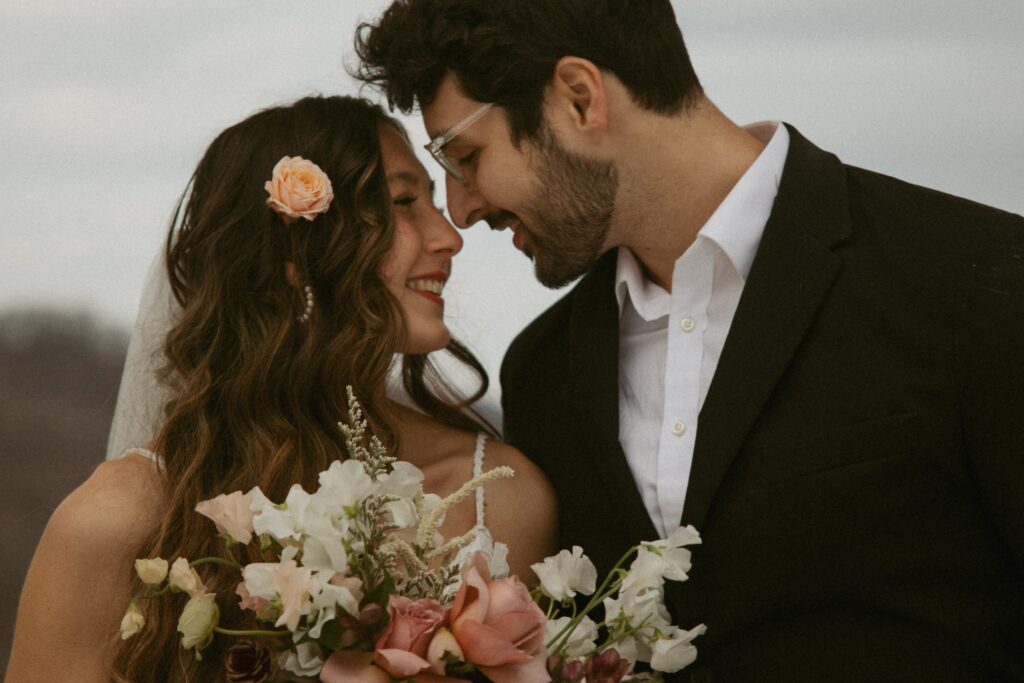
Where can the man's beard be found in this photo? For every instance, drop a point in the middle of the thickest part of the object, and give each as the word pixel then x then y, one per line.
pixel 573 209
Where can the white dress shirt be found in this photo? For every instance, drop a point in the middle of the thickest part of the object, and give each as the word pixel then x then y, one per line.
pixel 669 344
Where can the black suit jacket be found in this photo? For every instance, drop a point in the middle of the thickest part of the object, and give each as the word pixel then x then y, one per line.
pixel 858 475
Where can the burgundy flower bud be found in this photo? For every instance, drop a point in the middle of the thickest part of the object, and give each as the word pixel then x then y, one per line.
pixel 607 667
pixel 371 614
pixel 247 662
pixel 573 671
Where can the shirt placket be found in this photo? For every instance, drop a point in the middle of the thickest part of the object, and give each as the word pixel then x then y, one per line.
pixel 692 280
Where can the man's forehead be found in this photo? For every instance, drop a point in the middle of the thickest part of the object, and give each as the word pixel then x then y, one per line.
pixel 449 106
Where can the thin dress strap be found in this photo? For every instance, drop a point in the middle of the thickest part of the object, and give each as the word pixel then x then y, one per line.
pixel 478 469
pixel 145 453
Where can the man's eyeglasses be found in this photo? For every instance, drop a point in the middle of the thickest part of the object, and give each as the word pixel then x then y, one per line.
pixel 435 145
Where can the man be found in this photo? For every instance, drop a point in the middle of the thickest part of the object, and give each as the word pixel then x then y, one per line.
pixel 817 366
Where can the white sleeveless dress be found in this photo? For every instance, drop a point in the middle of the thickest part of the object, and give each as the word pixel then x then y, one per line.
pixel 483 542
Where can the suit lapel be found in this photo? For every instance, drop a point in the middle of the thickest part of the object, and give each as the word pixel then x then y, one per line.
pixel 790 277
pixel 594 373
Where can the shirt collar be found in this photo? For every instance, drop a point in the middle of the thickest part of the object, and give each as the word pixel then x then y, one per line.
pixel 735 227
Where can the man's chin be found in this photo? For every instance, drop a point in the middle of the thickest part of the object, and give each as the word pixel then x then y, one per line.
pixel 556 275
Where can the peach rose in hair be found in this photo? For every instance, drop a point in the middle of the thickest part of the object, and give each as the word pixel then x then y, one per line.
pixel 298 189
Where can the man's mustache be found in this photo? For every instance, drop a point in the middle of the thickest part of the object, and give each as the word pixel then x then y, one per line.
pixel 500 219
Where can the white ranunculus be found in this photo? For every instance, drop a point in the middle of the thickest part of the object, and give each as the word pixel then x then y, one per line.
pixel 581 641
pixel 307 660
pixel 197 622
pixel 152 571
pixel 186 579
pixel 132 621
pixel 565 574
pixel 677 651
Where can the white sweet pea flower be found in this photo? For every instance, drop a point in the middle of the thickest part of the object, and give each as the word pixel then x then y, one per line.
pixel 281 524
pixel 325 553
pixel 344 485
pixel 660 560
pixel 404 480
pixel 582 640
pixel 258 578
pixel 152 572
pixel 565 574
pixel 307 660
pixel 628 611
pixel 197 622
pixel 676 651
pixel 185 578
pixel 132 621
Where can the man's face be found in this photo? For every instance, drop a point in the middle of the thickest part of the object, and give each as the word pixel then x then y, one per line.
pixel 558 203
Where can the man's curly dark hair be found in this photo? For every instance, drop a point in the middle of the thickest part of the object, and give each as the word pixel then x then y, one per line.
pixel 505 51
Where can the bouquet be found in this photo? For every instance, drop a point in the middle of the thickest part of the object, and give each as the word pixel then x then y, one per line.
pixel 355 583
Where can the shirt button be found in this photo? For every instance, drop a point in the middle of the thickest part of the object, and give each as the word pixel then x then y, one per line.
pixel 679 428
pixel 687 324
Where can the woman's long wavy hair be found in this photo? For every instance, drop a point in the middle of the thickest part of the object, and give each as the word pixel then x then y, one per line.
pixel 257 393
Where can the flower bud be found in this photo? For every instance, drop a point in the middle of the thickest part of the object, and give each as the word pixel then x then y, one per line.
pixel 132 622
pixel 152 572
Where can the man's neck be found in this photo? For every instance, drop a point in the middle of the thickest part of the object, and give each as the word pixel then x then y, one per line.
pixel 678 172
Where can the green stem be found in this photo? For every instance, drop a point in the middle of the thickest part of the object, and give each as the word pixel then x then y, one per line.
pixel 258 634
pixel 602 592
pixel 214 560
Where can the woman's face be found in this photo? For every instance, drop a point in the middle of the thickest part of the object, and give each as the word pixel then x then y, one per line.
pixel 425 242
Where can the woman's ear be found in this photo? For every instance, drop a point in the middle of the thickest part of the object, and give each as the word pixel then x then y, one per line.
pixel 291 273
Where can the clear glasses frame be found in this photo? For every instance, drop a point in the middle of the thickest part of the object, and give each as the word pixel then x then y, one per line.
pixel 435 146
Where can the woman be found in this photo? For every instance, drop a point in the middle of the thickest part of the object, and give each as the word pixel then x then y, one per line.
pixel 282 307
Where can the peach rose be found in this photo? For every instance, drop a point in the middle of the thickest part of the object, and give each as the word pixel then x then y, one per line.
pixel 298 189
pixel 499 627
pixel 401 649
pixel 231 513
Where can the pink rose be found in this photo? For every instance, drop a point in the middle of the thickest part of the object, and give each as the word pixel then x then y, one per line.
pixel 500 628
pixel 402 648
pixel 298 189
pixel 443 646
pixel 231 513
pixel 348 666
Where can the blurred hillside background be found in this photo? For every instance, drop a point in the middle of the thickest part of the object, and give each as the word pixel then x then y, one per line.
pixel 106 105
pixel 59 373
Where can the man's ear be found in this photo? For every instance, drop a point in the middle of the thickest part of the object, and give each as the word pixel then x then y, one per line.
pixel 578 97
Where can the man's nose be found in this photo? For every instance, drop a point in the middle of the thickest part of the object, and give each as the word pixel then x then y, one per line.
pixel 465 203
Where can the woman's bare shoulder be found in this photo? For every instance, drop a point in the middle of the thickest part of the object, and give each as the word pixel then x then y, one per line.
pixel 78 583
pixel 522 511
pixel 117 505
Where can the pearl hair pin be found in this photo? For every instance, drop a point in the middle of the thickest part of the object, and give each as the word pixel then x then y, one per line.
pixel 308 310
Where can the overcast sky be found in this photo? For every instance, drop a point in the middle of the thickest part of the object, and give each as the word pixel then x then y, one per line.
pixel 106 106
